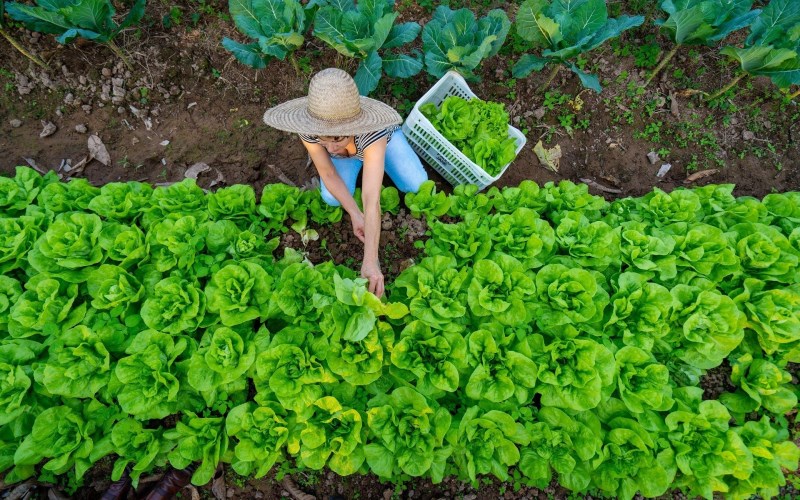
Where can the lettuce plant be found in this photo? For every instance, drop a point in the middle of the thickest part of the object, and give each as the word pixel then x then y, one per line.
pixel 466 199
pixel 523 235
pixel 359 362
pixel 407 435
pixel 18 192
pixel 711 326
pixel 433 357
pixel 277 26
pixel 566 30
pixel 648 251
pixel 706 449
pixel 180 199
pixel 390 200
pixel 562 443
pixel 662 209
pixel 360 30
pixel 79 364
pixel 111 287
pixel 175 305
pixel 280 202
pixel 435 292
pixel 223 357
pixel 701 249
pixel 232 202
pixel 123 244
pixel 294 293
pixel 44 308
pixel 570 300
pixel 427 201
pixel 10 292
pixel 575 374
pixel 784 209
pixel 292 371
pixel 199 439
pixel 455 40
pixel 772 453
pixel 500 368
pixel 224 236
pixel 239 293
pixel 69 248
pixel 566 196
pixel 122 201
pixel 774 316
pixel 468 241
pixel 16 379
pixel 17 235
pixel 765 253
pixel 486 442
pixel 630 461
pixel 500 288
pixel 66 436
pixel 592 245
pixel 145 382
pixel 138 448
pixel 760 384
pixel 175 242
pixel 643 383
pixel 261 433
pixel 526 195
pixel 640 311
pixel 74 195
pixel 331 435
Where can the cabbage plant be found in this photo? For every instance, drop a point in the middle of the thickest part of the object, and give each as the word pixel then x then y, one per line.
pixel 456 40
pixel 565 30
pixel 70 19
pixel 361 30
pixel 773 47
pixel 276 26
pixel 701 22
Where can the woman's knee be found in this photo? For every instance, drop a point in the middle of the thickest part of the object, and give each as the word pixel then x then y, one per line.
pixel 403 165
pixel 328 198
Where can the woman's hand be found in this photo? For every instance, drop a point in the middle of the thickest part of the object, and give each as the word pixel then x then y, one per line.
pixel 372 271
pixel 357 219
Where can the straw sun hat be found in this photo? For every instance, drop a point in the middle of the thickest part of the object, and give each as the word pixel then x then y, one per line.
pixel 333 108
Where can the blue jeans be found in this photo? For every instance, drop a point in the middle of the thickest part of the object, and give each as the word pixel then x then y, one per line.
pixel 402 165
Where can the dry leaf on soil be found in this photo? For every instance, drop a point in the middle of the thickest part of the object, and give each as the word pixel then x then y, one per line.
pixel 548 157
pixel 700 175
pixel 98 151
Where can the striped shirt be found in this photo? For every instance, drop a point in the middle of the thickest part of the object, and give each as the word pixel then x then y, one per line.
pixel 362 141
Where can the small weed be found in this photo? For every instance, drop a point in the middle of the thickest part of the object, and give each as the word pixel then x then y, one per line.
pixel 216 73
pixel 554 98
pixel 646 56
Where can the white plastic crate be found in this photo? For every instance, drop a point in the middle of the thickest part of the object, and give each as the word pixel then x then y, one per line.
pixel 440 153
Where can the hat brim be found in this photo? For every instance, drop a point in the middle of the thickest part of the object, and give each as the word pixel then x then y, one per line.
pixel 293 116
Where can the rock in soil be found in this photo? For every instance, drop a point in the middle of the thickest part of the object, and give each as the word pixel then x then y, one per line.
pixel 15 123
pixel 81 128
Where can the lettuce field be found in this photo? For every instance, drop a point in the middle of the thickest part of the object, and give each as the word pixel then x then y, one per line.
pixel 544 335
pixel 617 316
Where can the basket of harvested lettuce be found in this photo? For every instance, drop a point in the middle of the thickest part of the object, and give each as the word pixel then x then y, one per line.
pixel 467 140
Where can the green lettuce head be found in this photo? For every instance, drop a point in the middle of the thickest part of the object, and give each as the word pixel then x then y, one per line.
pixel 239 293
pixel 201 440
pixel 500 288
pixel 17 236
pixel 69 248
pixel 232 202
pixel 18 192
pixel 643 383
pixel 710 326
pixel 575 374
pixel 435 292
pixel 10 292
pixel 486 442
pixel 407 435
pixel 141 449
pixel 184 198
pixel 44 308
pixel 648 251
pixel 111 287
pixel 146 382
pixel 176 306
pixel 79 364
pixel 123 244
pixel 571 300
pixel 761 384
pixel 765 253
pixel 561 443
pixel 774 316
pixel 261 434
pixel 122 201
pixel 331 435
pixel 640 311
pixel 524 236
pixel 223 357
pixel 175 242
pixel 592 245
pixel 74 195
pixel 433 357
pixel 680 205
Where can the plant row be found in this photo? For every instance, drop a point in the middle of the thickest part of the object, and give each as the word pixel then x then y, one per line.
pixel 554 33
pixel 545 334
